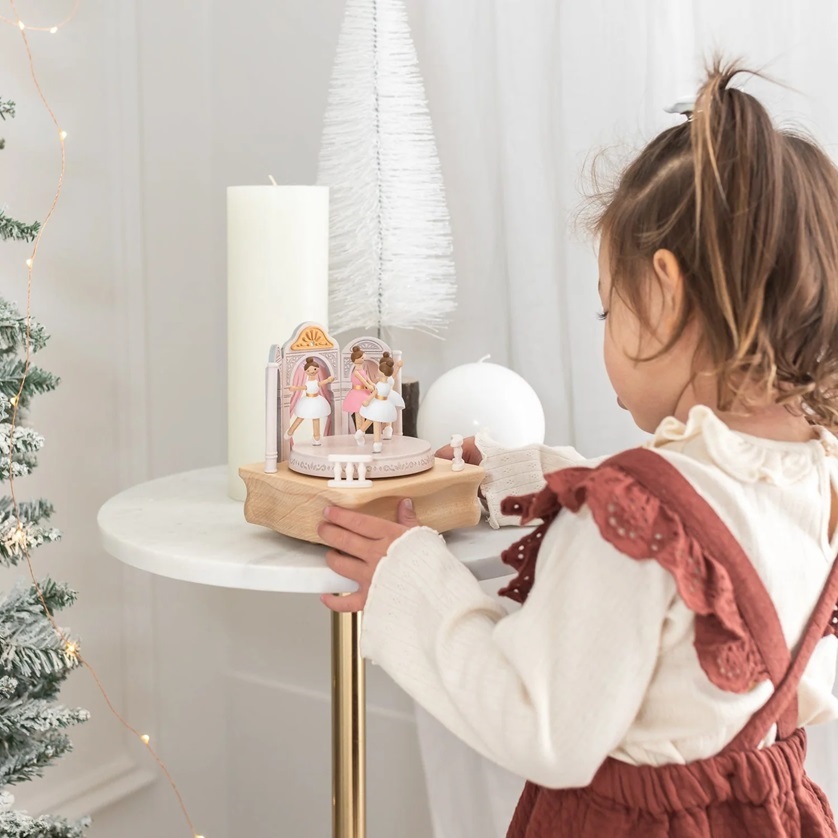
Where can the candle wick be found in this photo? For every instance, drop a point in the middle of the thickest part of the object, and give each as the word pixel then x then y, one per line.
pixel 271 179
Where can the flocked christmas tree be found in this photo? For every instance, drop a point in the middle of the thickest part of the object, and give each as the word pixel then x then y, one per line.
pixel 391 255
pixel 35 657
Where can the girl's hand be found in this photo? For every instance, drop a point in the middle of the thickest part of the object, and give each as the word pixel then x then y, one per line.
pixel 359 542
pixel 471 453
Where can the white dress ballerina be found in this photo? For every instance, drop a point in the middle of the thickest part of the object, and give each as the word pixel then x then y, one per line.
pixel 312 404
pixel 395 395
pixel 381 407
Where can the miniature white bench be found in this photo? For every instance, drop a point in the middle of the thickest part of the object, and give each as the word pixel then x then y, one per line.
pixel 345 464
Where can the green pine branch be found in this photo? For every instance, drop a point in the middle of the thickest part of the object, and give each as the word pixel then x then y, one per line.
pixel 21 825
pixel 29 718
pixel 19 231
pixel 30 511
pixel 37 381
pixel 7 109
pixel 13 331
pixel 26 759
pixel 18 450
pixel 30 648
pixel 14 545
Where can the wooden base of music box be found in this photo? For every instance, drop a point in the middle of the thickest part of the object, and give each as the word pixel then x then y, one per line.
pixel 292 503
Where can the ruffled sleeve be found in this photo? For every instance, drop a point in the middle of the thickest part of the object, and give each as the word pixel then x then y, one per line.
pixel 641 527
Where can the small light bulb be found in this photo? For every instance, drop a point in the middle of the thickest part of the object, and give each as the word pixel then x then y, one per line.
pixel 53 30
pixel 13 400
pixel 63 135
pixel 71 649
pixel 28 263
pixel 22 25
pixel 146 738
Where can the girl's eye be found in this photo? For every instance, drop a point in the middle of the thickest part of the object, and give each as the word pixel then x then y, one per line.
pixel 601 315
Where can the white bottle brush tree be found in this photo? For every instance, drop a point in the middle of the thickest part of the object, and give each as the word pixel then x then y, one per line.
pixel 34 658
pixel 391 262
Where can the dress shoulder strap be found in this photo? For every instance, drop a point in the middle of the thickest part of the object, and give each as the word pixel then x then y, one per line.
pixel 648 510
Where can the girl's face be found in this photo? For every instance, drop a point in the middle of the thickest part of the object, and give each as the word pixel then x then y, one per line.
pixel 649 390
pixel 311 371
pixel 361 359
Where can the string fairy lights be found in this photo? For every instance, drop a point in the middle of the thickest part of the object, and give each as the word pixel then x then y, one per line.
pixel 18 540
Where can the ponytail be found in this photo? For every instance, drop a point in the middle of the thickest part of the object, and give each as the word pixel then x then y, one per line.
pixel 750 213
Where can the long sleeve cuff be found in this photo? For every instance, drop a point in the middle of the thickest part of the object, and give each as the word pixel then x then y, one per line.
pixel 518 471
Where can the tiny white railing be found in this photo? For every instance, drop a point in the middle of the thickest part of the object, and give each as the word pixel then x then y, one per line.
pixel 457 463
pixel 346 467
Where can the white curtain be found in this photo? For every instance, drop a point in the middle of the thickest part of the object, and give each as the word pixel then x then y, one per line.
pixel 523 93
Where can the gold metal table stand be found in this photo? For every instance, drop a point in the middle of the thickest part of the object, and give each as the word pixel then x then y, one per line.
pixel 348 728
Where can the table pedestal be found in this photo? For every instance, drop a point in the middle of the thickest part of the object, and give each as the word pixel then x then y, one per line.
pixel 185 527
pixel 348 733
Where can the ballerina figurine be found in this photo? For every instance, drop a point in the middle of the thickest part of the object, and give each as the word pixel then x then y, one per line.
pixel 361 386
pixel 395 397
pixel 378 410
pixel 311 404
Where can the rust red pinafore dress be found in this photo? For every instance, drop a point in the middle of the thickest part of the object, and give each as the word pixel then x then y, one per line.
pixel 647 509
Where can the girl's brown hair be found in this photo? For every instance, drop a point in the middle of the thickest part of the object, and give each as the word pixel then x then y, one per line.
pixel 311 362
pixel 751 214
pixel 357 353
pixel 386 365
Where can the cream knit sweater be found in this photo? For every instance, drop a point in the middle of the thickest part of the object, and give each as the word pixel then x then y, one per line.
pixel 600 660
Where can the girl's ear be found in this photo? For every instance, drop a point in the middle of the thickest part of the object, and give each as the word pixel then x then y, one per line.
pixel 671 280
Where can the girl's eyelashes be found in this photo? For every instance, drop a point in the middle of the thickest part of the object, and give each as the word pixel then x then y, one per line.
pixel 601 315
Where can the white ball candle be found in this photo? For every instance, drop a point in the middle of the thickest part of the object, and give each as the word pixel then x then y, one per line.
pixel 277 277
pixel 481 397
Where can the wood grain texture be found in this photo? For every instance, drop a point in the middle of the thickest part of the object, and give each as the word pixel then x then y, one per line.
pixel 292 504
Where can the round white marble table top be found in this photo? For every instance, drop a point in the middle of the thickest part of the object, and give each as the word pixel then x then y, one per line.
pixel 185 526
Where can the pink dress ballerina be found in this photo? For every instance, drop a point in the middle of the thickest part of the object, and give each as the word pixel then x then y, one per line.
pixel 359 393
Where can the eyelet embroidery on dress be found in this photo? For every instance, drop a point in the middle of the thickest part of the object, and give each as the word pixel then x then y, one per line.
pixel 639 525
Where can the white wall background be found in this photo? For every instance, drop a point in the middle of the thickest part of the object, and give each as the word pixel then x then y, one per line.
pixel 167 103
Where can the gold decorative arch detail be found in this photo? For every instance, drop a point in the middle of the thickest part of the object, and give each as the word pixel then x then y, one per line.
pixel 312 337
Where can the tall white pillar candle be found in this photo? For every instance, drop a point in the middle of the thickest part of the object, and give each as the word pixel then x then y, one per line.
pixel 277 277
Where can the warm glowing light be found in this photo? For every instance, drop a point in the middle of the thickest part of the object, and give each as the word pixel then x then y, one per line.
pixel 28 263
pixel 146 738
pixel 63 135
pixel 53 30
pixel 13 400
pixel 17 540
pixel 22 25
pixel 72 649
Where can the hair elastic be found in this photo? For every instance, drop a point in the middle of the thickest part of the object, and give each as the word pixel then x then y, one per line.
pixel 683 106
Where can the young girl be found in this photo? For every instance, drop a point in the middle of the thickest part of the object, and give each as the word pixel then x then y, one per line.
pixel 679 600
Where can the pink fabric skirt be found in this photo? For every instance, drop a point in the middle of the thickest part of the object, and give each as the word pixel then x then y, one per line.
pixel 354 399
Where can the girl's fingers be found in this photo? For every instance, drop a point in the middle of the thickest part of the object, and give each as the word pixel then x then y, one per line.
pixel 347 566
pixel 344 603
pixel 356 522
pixel 348 542
pixel 445 453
